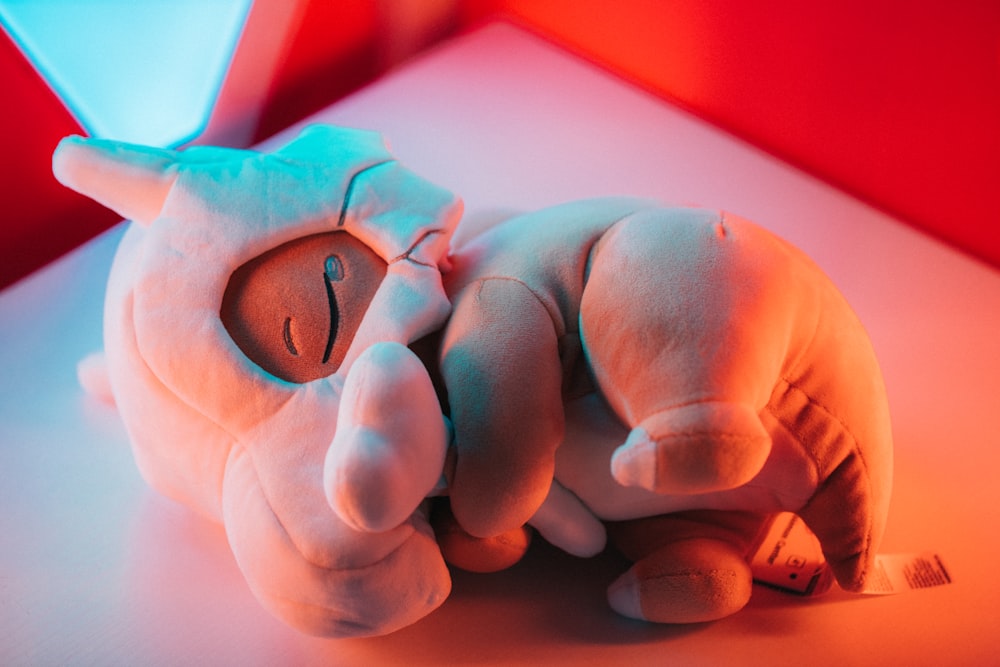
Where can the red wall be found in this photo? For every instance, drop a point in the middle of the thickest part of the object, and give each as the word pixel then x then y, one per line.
pixel 895 101
pixel 331 53
pixel 41 219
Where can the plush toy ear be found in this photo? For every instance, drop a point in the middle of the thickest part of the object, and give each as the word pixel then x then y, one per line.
pixel 131 180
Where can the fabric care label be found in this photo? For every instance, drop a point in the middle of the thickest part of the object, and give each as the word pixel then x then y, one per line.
pixel 789 557
pixel 895 573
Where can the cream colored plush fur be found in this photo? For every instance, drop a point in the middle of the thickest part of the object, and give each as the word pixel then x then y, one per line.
pixel 672 376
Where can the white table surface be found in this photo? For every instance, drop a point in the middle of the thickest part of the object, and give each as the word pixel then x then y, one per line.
pixel 96 568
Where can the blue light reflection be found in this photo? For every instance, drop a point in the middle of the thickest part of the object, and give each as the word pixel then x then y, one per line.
pixel 146 72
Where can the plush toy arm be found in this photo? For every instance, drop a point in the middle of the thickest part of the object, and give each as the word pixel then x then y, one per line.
pixel 391 441
pixel 500 363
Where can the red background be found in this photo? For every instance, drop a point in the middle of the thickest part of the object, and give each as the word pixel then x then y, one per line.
pixel 895 102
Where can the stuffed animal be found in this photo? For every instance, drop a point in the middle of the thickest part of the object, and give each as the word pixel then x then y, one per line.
pixel 298 352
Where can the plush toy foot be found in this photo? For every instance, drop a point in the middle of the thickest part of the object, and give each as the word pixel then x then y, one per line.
pixel 689 567
pixel 391 440
pixel 477 554
pixel 690 581
pixel 696 448
pixel 567 523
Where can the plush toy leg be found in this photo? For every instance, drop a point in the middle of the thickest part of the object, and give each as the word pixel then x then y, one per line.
pixel 686 327
pixel 689 568
pixel 500 362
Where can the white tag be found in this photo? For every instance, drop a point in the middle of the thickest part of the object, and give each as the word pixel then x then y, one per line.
pixel 789 557
pixel 895 573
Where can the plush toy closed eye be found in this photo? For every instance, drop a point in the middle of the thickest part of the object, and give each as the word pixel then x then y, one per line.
pixel 672 375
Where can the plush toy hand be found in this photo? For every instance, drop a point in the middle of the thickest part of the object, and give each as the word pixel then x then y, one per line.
pixel 736 381
pixel 389 451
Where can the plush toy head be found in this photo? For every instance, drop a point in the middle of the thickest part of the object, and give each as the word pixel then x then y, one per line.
pixel 239 301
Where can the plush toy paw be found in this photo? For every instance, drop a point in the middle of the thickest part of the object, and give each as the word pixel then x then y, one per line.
pixel 694 448
pixel 477 554
pixel 691 581
pixel 689 567
pixel 567 523
pixel 391 440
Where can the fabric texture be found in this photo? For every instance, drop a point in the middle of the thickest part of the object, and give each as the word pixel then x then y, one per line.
pixel 659 361
pixel 665 377
pixel 210 427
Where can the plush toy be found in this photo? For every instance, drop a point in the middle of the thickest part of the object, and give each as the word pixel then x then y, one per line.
pixel 288 360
